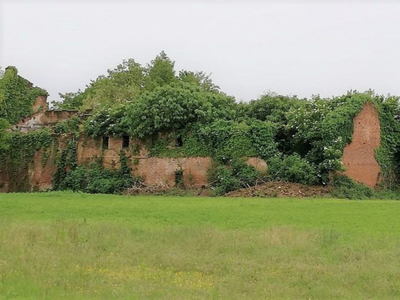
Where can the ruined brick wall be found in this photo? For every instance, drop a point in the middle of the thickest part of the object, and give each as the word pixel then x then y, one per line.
pixel 40 104
pixel 55 116
pixel 258 163
pixel 41 174
pixel 161 171
pixel 37 177
pixel 43 118
pixel 154 170
pixel 359 156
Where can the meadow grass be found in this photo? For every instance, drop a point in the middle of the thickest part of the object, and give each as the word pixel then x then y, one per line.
pixel 78 246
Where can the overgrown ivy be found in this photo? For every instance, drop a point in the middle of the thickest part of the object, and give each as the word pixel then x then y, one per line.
pixel 321 128
pixel 67 126
pixel 16 96
pixel 19 155
pixel 93 178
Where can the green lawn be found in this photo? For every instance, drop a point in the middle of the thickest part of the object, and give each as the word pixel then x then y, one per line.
pixel 78 246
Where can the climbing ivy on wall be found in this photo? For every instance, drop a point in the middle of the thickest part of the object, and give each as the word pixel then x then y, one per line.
pixel 22 147
pixel 66 162
pixel 388 153
pixel 16 96
pixel 321 128
pixel 92 178
pixel 67 126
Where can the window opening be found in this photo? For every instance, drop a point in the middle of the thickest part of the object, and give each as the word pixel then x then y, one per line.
pixel 179 179
pixel 179 142
pixel 125 141
pixel 105 142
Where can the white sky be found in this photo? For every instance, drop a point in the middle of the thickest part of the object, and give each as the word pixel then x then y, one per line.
pixel 250 47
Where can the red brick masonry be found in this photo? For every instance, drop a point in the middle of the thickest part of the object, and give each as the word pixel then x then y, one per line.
pixel 359 156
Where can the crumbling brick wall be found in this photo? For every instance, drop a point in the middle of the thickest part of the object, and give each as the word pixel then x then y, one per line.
pixel 40 104
pixel 359 156
pixel 158 171
pixel 154 170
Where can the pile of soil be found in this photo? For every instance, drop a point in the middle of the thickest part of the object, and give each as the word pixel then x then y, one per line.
pixel 268 189
pixel 281 189
pixel 163 190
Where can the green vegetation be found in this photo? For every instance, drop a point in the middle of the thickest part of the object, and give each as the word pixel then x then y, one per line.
pixel 93 178
pixel 79 246
pixel 19 153
pixel 4 136
pixel 344 187
pixel 283 130
pixel 291 168
pixel 16 100
pixel 181 114
pixel 16 96
pixel 232 176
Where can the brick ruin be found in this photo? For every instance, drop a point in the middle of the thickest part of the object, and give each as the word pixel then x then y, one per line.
pixel 155 171
pixel 358 157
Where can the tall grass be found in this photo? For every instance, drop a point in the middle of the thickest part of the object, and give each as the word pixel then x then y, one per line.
pixel 77 246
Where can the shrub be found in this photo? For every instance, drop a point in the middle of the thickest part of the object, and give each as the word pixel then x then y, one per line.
pixel 292 168
pixel 236 175
pixel 95 179
pixel 345 187
pixel 66 126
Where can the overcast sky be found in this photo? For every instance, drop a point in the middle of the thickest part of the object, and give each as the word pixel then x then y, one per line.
pixel 250 47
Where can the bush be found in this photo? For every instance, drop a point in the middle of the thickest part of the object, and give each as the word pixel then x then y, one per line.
pixel 236 175
pixel 66 126
pixel 345 187
pixel 292 168
pixel 95 179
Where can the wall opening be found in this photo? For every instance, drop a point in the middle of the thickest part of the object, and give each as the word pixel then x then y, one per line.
pixel 105 142
pixel 178 142
pixel 179 179
pixel 125 141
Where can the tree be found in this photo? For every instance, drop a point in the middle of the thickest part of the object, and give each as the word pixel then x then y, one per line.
pixel 70 100
pixel 160 72
pixel 173 107
pixel 129 80
pixel 200 79
pixel 122 84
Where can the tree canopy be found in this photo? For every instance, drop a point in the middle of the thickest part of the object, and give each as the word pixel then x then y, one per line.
pixel 129 80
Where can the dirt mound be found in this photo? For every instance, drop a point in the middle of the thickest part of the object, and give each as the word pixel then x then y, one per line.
pixel 156 190
pixel 280 189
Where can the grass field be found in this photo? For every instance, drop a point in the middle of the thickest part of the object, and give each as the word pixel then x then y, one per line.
pixel 78 246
